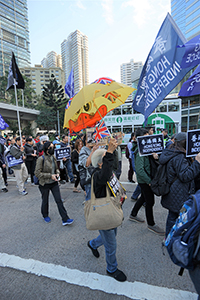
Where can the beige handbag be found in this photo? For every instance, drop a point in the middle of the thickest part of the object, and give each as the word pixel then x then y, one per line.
pixel 103 213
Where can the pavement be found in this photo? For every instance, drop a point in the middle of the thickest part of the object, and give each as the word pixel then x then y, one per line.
pixel 50 261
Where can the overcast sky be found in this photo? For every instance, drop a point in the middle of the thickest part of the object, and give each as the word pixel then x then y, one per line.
pixel 117 30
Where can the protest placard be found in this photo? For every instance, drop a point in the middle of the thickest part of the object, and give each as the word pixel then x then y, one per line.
pixel 193 142
pixel 149 144
pixel 12 161
pixel 62 152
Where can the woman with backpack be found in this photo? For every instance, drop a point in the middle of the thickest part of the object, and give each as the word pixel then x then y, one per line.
pixel 143 172
pixel 181 172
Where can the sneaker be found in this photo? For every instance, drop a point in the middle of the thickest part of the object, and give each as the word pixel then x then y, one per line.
pixel 136 219
pixel 133 199
pixel 47 220
pixel 62 181
pixel 156 229
pixel 68 222
pixel 5 190
pixel 95 252
pixel 23 193
pixel 118 275
pixel 32 183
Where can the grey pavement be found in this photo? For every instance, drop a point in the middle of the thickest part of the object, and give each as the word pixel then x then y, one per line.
pixel 24 234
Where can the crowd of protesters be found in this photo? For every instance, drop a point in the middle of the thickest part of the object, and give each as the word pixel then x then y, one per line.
pixel 85 160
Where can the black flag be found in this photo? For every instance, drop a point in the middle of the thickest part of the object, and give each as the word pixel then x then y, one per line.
pixel 14 73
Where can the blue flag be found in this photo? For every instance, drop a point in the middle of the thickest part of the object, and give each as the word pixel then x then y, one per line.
pixel 192 86
pixel 162 71
pixel 3 124
pixel 191 57
pixel 69 86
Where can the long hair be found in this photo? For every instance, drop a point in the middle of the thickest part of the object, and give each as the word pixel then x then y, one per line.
pixel 179 145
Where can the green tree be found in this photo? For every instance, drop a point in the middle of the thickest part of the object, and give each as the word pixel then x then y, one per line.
pixel 53 94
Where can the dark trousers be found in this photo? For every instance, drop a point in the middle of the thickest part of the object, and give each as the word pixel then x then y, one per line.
pixel 31 168
pixel 54 188
pixel 77 179
pixel 146 196
pixel 130 171
pixel 171 220
pixel 4 173
pixel 63 174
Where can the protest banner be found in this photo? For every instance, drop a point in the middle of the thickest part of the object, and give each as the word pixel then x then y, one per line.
pixel 12 161
pixel 62 152
pixel 149 144
pixel 193 142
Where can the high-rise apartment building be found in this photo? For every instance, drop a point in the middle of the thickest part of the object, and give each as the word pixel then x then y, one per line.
pixel 52 60
pixel 126 71
pixel 74 52
pixel 40 76
pixel 186 14
pixel 14 34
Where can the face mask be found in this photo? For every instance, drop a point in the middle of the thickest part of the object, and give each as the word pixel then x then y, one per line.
pixel 51 151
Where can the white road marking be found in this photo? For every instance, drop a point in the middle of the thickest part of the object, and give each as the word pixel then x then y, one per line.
pixel 133 290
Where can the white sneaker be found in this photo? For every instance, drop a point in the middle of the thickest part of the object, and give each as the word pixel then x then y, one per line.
pixel 23 193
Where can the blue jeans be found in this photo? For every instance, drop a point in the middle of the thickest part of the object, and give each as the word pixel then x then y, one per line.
pixel 88 192
pixel 108 239
pixel 68 165
pixel 171 220
pixel 137 192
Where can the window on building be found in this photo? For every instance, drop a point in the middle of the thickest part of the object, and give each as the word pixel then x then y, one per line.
pixel 116 111
pixel 127 129
pixel 126 110
pixel 173 106
pixel 116 128
pixel 162 107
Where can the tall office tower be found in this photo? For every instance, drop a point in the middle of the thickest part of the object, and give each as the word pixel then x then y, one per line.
pixel 59 61
pixel 14 34
pixel 186 14
pixel 74 53
pixel 52 60
pixel 126 70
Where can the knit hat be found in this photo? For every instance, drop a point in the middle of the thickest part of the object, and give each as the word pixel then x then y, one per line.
pixel 44 138
pixel 181 136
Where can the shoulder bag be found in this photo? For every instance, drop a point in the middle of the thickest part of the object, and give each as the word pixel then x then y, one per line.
pixel 103 213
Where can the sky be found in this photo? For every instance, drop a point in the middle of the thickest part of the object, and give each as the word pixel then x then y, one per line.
pixel 117 30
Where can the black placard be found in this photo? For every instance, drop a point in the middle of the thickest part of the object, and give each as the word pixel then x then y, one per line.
pixel 193 142
pixel 62 152
pixel 149 144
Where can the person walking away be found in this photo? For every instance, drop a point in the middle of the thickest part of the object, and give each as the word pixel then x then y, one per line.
pixel 20 170
pixel 31 157
pixel 143 173
pixel 75 160
pixel 67 160
pixel 103 161
pixel 181 172
pixel 47 173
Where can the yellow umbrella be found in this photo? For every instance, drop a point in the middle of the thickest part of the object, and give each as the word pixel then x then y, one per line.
pixel 93 102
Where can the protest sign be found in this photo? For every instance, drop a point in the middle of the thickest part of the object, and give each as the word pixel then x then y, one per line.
pixel 12 161
pixel 193 142
pixel 149 144
pixel 62 152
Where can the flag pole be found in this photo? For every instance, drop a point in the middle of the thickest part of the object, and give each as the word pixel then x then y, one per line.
pixel 58 123
pixel 20 134
pixel 22 97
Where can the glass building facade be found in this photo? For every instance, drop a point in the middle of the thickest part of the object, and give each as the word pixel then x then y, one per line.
pixel 14 34
pixel 186 14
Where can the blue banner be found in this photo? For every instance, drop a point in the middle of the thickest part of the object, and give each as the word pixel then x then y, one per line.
pixel 191 57
pixel 3 124
pixel 12 161
pixel 2 140
pixel 192 86
pixel 69 86
pixel 162 71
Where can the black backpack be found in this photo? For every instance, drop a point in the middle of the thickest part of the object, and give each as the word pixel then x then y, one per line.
pixel 159 184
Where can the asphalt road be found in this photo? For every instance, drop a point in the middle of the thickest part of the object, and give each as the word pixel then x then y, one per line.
pixel 50 261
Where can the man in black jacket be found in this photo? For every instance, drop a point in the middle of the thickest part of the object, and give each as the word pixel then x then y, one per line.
pixel 30 157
